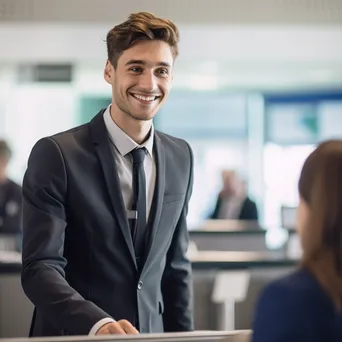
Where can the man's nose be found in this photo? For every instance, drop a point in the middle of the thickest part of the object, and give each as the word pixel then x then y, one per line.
pixel 148 81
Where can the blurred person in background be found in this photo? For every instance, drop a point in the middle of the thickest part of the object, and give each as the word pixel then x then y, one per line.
pixel 105 204
pixel 10 195
pixel 233 202
pixel 306 306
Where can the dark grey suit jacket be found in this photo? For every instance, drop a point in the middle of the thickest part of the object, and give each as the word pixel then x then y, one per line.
pixel 78 256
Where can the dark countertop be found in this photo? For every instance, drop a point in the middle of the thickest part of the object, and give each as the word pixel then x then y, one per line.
pixel 235 227
pixel 231 231
pixel 227 260
pixel 227 232
pixel 10 262
pixel 10 268
pixel 204 260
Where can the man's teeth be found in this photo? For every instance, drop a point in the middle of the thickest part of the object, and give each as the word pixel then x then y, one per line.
pixel 145 98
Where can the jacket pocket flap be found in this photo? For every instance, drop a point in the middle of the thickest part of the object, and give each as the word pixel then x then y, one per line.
pixel 173 198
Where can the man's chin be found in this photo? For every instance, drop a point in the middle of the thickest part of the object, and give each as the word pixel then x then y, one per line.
pixel 142 116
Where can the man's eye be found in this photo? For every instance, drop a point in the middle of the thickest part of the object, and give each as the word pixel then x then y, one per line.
pixel 163 72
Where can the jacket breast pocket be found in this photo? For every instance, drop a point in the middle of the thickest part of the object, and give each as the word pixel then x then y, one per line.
pixel 173 198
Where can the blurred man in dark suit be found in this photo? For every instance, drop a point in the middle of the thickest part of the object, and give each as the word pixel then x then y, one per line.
pixel 233 203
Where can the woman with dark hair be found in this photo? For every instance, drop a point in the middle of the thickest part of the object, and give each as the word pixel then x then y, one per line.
pixel 306 306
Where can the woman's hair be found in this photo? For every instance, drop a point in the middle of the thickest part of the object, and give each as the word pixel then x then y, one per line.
pixel 320 186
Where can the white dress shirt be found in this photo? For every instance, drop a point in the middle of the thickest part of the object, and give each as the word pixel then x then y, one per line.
pixel 122 145
pixel 230 208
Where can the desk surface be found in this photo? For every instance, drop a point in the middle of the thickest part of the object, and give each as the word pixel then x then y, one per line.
pixel 234 230
pixel 235 227
pixel 10 262
pixel 225 232
pixel 237 260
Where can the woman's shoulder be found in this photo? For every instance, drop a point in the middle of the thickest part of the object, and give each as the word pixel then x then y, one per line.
pixel 293 308
pixel 300 284
pixel 298 292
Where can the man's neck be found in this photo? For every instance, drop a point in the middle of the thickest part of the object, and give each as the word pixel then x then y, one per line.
pixel 137 130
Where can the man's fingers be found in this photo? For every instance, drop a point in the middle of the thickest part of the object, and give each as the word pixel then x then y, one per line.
pixel 115 328
pixel 121 327
pixel 128 327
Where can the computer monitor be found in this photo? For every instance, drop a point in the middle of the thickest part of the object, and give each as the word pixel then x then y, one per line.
pixel 196 336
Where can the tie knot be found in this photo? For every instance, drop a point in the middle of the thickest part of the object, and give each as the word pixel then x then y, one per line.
pixel 138 155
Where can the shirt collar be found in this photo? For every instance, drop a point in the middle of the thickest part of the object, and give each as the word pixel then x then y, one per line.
pixel 121 140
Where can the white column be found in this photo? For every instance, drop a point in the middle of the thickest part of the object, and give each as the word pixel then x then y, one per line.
pixel 256 140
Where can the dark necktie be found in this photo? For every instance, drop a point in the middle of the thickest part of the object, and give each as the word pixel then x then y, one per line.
pixel 139 205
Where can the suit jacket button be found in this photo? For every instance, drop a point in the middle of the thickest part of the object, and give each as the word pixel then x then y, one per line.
pixel 140 284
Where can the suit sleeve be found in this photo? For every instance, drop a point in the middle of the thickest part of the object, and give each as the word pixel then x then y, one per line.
pixel 284 315
pixel 44 223
pixel 177 278
pixel 214 215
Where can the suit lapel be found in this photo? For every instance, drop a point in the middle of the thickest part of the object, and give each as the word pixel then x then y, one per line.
pixel 103 149
pixel 158 197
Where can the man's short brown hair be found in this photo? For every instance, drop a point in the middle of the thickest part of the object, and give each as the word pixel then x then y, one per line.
pixel 140 26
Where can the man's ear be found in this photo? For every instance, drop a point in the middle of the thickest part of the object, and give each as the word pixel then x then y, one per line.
pixel 108 72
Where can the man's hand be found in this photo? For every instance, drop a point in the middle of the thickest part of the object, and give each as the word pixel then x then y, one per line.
pixel 121 327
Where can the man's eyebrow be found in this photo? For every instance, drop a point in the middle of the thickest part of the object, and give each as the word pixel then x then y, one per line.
pixel 141 62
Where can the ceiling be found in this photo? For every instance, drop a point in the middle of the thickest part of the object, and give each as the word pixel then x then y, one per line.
pixel 183 12
pixel 238 44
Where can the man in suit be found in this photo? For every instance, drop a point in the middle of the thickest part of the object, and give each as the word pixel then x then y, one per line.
pixel 10 195
pixel 232 202
pixel 105 204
